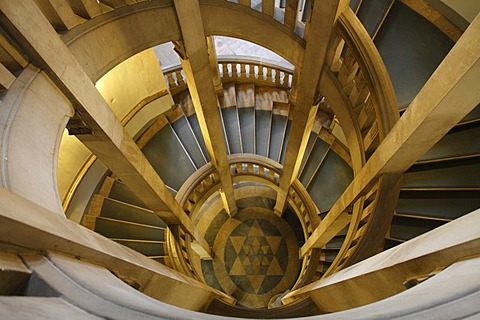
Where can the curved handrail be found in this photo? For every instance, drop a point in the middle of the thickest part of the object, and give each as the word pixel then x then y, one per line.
pixel 203 183
pixel 366 83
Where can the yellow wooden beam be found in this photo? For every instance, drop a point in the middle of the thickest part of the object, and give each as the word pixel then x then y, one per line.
pixel 304 93
pixel 193 52
pixel 445 99
pixel 108 139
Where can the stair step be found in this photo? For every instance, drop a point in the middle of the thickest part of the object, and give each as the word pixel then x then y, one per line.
pixel 113 228
pixel 405 228
pixel 335 243
pixel 193 120
pixel 460 141
pixel 316 155
pixel 185 134
pixel 445 204
pixel 263 119
pixel 473 116
pixel 423 217
pixel 147 248
pixel 122 192
pixel 449 174
pixel 230 119
pixel 308 150
pixel 165 149
pixel 279 125
pixel 118 210
pixel 285 141
pixel 330 181
pixel 247 128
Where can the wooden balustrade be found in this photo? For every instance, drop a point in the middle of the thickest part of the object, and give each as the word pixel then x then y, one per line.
pixel 364 82
pixel 358 69
pixel 205 182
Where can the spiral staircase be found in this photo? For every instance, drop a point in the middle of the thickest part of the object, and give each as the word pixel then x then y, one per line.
pixel 354 109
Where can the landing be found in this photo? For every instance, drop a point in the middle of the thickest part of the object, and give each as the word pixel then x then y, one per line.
pixel 256 257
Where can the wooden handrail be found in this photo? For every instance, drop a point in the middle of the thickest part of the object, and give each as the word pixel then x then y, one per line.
pixel 364 80
pixel 203 183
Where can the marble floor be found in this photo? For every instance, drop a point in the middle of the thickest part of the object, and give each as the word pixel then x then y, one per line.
pixel 255 256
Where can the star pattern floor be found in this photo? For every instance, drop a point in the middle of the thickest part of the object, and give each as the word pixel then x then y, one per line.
pixel 256 257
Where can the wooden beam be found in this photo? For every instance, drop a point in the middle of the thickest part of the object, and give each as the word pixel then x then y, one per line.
pixel 394 270
pixel 26 226
pixel 86 8
pixel 6 77
pixel 108 139
pixel 212 58
pixel 13 274
pixel 304 94
pixel 447 97
pixel 195 62
pixel 268 7
pixel 60 14
pixel 291 10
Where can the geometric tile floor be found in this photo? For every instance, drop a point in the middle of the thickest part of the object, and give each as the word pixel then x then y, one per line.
pixel 255 257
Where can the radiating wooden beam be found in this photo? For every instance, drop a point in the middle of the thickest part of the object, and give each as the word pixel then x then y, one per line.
pixel 291 9
pixel 60 14
pixel 26 226
pixel 6 77
pixel 447 97
pixel 212 58
pixel 304 93
pixel 395 270
pixel 107 138
pixel 193 52
pixel 86 8
pixel 268 7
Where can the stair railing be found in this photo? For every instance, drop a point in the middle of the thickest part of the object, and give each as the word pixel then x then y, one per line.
pixel 237 69
pixel 205 182
pixel 364 81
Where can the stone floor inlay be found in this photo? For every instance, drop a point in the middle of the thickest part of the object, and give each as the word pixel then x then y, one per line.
pixel 256 257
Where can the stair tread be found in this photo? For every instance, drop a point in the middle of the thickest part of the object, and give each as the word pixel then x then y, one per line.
pixel 318 152
pixel 186 136
pixel 163 150
pixel 262 131
pixel 461 141
pixel 247 128
pixel 145 248
pixel 446 204
pixel 122 192
pixel 119 229
pixel 279 124
pixel 230 119
pixel 460 173
pixel 285 141
pixel 116 209
pixel 193 120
